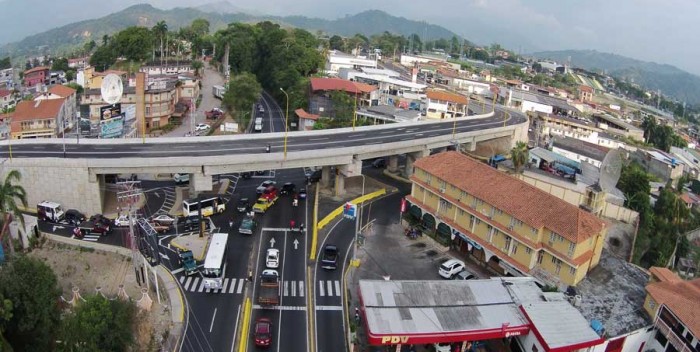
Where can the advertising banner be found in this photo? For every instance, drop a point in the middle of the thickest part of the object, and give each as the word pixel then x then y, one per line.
pixel 110 111
pixel 112 128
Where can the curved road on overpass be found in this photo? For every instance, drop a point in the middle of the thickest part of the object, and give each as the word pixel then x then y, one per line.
pixel 247 144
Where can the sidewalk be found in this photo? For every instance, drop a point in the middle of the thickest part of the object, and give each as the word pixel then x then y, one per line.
pixel 198 245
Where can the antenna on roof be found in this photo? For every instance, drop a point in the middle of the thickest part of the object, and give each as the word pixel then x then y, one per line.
pixel 610 170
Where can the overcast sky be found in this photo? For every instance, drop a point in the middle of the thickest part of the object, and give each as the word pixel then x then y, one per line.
pixel 663 31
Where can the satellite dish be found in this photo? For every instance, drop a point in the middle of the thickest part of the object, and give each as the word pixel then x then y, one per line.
pixel 610 170
pixel 111 89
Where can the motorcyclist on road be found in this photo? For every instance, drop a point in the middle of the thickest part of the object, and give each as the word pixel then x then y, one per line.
pixel 291 224
pixel 267 149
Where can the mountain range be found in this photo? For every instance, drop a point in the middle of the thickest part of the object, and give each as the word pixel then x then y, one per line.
pixel 670 80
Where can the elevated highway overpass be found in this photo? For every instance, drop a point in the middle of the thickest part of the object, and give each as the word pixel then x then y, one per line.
pixel 73 172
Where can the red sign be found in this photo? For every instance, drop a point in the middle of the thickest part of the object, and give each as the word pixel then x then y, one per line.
pixel 403 205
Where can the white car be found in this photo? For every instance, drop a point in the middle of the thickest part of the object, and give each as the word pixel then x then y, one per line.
pixel 450 268
pixel 270 272
pixel 122 220
pixel 163 219
pixel 202 127
pixel 263 186
pixel 272 259
pixel 442 347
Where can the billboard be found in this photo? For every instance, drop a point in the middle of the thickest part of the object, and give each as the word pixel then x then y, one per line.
pixel 112 128
pixel 110 111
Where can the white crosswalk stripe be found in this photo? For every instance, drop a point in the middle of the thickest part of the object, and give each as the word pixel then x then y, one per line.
pixel 286 288
pixel 328 288
pixel 194 284
pixel 233 285
pixel 223 288
pixel 301 288
pixel 294 288
pixel 241 283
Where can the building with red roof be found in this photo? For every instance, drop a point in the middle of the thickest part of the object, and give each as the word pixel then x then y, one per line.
pixel 35 76
pixel 37 119
pixel 321 89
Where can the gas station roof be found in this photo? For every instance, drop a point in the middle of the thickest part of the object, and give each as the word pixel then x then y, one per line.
pixel 443 311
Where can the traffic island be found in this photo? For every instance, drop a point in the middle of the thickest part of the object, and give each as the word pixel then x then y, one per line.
pixel 198 245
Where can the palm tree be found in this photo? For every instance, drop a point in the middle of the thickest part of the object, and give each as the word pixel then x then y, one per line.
pixel 160 30
pixel 518 155
pixel 10 193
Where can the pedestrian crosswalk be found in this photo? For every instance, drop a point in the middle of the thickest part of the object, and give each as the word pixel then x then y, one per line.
pixel 329 288
pixel 196 284
pixel 90 237
pixel 168 202
pixel 290 288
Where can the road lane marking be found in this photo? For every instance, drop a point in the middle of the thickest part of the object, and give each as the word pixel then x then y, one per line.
pixel 321 291
pixel 212 320
pixel 194 283
pixel 294 288
pixel 235 329
pixel 223 288
pixel 188 281
pixel 286 288
pixel 338 308
pixel 330 287
pixel 299 308
pixel 301 288
pixel 337 288
pixel 233 286
pixel 201 286
pixel 182 279
pixel 241 283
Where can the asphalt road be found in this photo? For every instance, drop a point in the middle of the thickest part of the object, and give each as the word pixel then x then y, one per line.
pixel 241 145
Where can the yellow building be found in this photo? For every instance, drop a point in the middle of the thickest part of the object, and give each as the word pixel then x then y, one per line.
pixel 503 222
pixel 672 303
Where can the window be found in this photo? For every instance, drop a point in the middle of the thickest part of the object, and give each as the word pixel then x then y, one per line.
pixel 148 110
pixel 472 221
pixel 462 196
pixel 442 184
pixel 533 230
pixel 461 212
pixel 572 248
pixel 572 270
pixel 507 247
pixel 552 237
pixel 557 269
pixel 428 178
pixel 540 256
pixel 514 223
pixel 528 250
pixel 515 248
pixel 555 260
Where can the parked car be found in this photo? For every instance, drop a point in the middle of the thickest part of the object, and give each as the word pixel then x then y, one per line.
pixel 464 275
pixel 74 217
pixel 263 186
pixel 450 268
pixel 121 220
pixel 243 205
pixel 163 219
pixel 302 193
pixel 272 259
pixel 288 188
pixel 379 163
pixel 202 127
pixel 192 223
pixel 214 113
pixel 263 332
pixel 50 211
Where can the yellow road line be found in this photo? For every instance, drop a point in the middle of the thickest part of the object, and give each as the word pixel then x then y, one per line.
pixel 314 232
pixel 335 213
pixel 243 345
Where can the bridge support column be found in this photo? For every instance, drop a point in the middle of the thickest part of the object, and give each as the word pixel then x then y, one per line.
pixel 339 185
pixel 410 159
pixel 472 145
pixel 200 183
pixel 325 176
pixel 393 165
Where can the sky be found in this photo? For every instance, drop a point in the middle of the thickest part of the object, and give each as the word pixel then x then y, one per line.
pixel 661 31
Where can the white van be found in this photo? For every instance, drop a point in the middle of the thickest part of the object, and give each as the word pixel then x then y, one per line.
pixel 258 120
pixel 181 178
pixel 258 127
pixel 50 211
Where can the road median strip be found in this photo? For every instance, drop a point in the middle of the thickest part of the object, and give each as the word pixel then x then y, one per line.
pixel 245 328
pixel 339 210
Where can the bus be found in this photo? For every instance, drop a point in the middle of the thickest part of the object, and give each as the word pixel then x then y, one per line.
pixel 209 204
pixel 214 263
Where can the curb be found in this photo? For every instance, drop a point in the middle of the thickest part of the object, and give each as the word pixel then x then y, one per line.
pixel 184 248
pixel 339 210
pixel 396 177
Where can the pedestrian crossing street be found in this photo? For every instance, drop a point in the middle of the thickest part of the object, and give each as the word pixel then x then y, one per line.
pixel 290 288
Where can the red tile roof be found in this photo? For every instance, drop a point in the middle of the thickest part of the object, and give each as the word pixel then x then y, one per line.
pixel 340 84
pixel 36 69
pixel 62 91
pixel 517 198
pixel 585 89
pixel 681 297
pixel 305 115
pixel 447 96
pixel 664 274
pixel 4 92
pixel 37 109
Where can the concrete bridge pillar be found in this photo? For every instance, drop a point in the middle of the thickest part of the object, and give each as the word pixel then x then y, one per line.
pixel 325 176
pixel 339 185
pixel 200 183
pixel 410 159
pixel 393 165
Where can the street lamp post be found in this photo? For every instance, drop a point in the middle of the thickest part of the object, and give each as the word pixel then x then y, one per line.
pixel 286 123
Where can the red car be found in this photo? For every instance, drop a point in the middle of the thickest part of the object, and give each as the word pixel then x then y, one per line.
pixel 263 332
pixel 214 113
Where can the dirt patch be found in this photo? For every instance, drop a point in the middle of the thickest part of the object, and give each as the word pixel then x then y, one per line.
pixel 89 269
pixel 418 245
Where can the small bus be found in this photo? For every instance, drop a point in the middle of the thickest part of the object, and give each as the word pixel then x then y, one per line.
pixel 210 205
pixel 215 262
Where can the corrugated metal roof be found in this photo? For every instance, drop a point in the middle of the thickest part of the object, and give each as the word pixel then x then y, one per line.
pixel 559 324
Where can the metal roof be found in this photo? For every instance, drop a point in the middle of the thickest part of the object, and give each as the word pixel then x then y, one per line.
pixel 559 324
pixel 443 310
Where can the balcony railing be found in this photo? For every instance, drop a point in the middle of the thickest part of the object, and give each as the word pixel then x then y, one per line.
pixel 676 341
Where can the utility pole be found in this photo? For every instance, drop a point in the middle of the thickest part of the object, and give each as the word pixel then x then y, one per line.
pixel 129 194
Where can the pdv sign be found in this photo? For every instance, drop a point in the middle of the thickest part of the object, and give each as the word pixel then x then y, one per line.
pixel 349 210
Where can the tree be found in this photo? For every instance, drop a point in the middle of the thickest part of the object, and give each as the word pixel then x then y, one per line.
pixel 10 195
pixel 336 43
pixel 103 58
pixel 5 63
pixel 242 92
pixel 105 40
pixel 134 43
pixel 78 88
pixel 98 324
pixel 634 180
pixel 519 155
pixel 197 65
pixel 5 316
pixel 70 75
pixel 159 30
pixel 60 64
pixel 33 289
pixel 89 47
pixel 200 27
